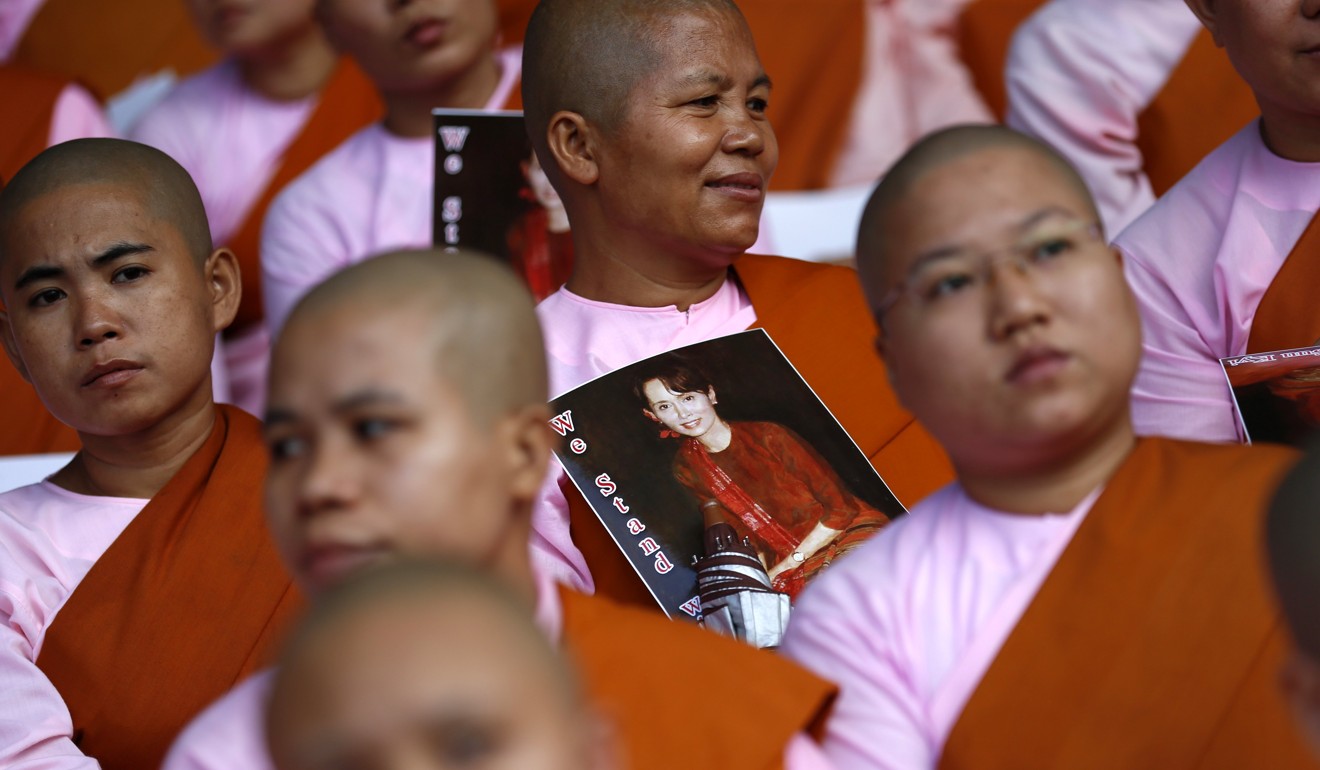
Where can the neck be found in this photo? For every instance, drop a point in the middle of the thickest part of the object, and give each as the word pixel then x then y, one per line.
pixel 293 69
pixel 1056 485
pixel 512 565
pixel 718 438
pixel 408 111
pixel 1290 135
pixel 138 464
pixel 610 270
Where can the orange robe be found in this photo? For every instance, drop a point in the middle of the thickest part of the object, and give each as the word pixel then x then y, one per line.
pixel 348 103
pixel 813 51
pixel 1154 642
pixel 817 316
pixel 190 599
pixel 1203 104
pixel 1288 315
pixel 26 427
pixel 678 696
pixel 107 45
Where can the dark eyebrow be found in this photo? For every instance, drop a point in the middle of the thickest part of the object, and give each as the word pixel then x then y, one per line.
pixel 706 77
pixel 276 416
pixel 945 252
pixel 762 80
pixel 47 272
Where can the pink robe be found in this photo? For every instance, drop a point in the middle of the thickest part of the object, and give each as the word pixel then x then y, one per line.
pixel 909 622
pixel 371 194
pixel 231 733
pixel 15 16
pixel 49 539
pixel 230 139
pixel 1199 262
pixel 1079 74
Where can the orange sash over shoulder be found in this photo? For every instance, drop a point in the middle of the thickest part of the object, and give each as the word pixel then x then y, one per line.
pixel 190 599
pixel 347 104
pixel 1154 642
pixel 680 696
pixel 26 427
pixel 1204 103
pixel 107 46
pixel 817 316
pixel 1289 315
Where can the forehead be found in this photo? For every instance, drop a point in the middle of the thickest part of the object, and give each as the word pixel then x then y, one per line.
pixel 976 200
pixel 694 44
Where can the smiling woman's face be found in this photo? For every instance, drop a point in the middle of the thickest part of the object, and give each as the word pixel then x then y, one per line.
pixel 689 414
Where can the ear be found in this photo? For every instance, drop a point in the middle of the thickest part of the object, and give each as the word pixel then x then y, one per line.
pixel 224 280
pixel 650 415
pixel 1205 11
pixel 882 349
pixel 531 442
pixel 710 395
pixel 11 345
pixel 572 144
pixel 1300 681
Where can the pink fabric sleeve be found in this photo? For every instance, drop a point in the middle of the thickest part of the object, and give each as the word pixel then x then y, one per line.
pixel 1080 72
pixel 878 720
pixel 554 556
pixel 35 726
pixel 77 115
pixel 802 753
pixel 230 734
pixel 1180 390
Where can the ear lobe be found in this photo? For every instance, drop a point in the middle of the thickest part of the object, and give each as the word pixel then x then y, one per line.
pixel 1205 11
pixel 11 345
pixel 570 139
pixel 224 280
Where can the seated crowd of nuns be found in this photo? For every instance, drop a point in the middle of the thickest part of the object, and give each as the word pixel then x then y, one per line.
pixel 300 505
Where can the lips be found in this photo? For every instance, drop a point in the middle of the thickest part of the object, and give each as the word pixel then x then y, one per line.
pixel 744 186
pixel 111 373
pixel 1037 364
pixel 328 562
pixel 426 32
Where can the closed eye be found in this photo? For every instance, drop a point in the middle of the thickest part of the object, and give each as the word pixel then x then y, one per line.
pixel 1052 248
pixel 948 284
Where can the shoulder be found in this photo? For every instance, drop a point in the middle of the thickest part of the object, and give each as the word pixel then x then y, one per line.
pixel 1224 463
pixel 642 658
pixel 340 173
pixel 230 733
pixel 189 105
pixel 784 273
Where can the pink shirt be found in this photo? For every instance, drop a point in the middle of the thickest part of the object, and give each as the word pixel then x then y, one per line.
pixel 908 623
pixel 231 733
pixel 913 82
pixel 1080 72
pixel 49 539
pixel 1199 262
pixel 585 339
pixel 15 15
pixel 371 194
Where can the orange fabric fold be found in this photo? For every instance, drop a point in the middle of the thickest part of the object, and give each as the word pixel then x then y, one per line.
pixel 646 675
pixel 817 316
pixel 26 427
pixel 1288 315
pixel 347 104
pixel 106 46
pixel 1154 642
pixel 1200 107
pixel 190 599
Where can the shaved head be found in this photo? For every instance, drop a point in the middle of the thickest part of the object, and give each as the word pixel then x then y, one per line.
pixel 430 661
pixel 927 155
pixel 1292 538
pixel 585 56
pixel 486 338
pixel 159 182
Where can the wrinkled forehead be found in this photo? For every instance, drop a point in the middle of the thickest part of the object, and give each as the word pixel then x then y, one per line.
pixel 666 47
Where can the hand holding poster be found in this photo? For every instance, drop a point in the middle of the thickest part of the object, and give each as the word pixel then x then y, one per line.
pixel 725 438
pixel 1276 394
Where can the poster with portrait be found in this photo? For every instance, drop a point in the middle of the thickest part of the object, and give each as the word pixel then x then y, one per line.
pixel 1276 394
pixel 723 435
pixel 491 195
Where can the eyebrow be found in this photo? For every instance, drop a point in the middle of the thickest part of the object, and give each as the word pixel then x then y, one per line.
pixel 115 252
pixel 946 252
pixel 707 77
pixel 276 416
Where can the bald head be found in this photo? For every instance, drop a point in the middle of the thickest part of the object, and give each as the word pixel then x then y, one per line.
pixel 585 56
pixel 159 182
pixel 931 153
pixel 421 659
pixel 1292 539
pixel 486 339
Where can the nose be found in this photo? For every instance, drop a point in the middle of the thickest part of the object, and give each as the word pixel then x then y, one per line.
pixel 748 134
pixel 328 482
pixel 1016 302
pixel 97 321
